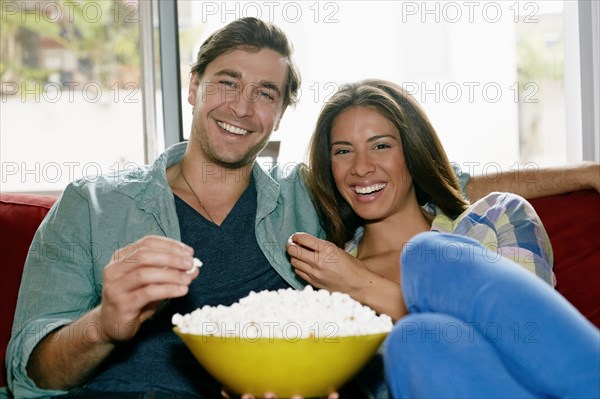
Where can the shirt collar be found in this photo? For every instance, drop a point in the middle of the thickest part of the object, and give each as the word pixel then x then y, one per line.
pixel 149 185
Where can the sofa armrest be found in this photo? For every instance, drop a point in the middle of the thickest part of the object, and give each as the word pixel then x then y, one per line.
pixel 572 221
pixel 20 216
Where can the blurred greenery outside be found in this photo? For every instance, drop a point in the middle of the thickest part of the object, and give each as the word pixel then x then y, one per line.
pixel 97 44
pixel 104 42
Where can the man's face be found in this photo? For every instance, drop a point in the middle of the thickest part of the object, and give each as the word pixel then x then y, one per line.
pixel 238 102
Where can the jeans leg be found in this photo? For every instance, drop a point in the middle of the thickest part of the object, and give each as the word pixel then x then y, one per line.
pixel 541 338
pixel 432 355
pixel 371 379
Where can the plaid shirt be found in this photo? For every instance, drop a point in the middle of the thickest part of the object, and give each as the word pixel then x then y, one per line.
pixel 505 224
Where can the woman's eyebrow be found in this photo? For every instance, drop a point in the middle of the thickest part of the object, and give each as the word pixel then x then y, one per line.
pixel 381 136
pixel 341 143
pixel 370 139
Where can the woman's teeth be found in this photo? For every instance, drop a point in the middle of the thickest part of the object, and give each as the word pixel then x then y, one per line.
pixel 232 129
pixel 369 189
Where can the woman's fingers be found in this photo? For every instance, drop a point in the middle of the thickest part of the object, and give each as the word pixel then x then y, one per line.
pixel 306 240
pixel 313 251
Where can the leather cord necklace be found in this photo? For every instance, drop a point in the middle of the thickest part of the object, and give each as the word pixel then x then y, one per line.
pixel 193 192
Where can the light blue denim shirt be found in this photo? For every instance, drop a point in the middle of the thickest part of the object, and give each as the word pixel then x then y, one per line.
pixel 63 274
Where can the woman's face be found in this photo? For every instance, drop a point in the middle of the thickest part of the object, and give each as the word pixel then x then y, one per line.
pixel 368 164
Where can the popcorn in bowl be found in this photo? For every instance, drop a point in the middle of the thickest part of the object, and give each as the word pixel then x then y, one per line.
pixel 288 314
pixel 290 342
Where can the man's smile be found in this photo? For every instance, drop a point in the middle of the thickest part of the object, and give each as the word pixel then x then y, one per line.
pixel 232 129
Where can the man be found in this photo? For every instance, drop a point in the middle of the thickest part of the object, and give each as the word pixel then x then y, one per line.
pixel 208 197
pixel 108 265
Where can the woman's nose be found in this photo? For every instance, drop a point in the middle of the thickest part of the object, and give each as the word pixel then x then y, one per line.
pixel 363 165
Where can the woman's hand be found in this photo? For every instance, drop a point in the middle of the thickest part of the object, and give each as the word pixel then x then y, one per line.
pixel 323 265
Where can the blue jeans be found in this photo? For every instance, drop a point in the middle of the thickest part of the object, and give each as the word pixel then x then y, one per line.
pixel 483 327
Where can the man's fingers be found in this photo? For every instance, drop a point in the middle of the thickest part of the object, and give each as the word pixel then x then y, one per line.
pixel 161 258
pixel 166 254
pixel 129 292
pixel 154 242
pixel 164 243
pixel 150 275
pixel 140 298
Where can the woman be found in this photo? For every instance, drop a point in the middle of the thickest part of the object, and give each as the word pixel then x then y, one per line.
pixel 478 324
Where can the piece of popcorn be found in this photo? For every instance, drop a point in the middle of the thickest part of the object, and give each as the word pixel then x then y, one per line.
pixel 197 265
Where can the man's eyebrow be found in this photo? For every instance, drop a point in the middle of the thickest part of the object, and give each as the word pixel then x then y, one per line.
pixel 229 72
pixel 270 86
pixel 263 83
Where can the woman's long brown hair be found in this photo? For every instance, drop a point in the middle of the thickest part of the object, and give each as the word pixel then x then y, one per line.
pixel 433 176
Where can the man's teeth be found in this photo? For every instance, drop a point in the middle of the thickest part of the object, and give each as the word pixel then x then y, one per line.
pixel 369 189
pixel 232 129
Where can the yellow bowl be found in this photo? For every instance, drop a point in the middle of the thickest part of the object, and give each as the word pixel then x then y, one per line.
pixel 308 367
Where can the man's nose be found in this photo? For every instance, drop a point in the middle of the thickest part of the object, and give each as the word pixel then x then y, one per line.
pixel 242 104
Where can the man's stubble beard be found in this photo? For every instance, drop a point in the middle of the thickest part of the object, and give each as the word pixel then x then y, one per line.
pixel 244 160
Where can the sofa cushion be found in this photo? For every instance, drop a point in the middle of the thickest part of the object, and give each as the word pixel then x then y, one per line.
pixel 573 224
pixel 20 216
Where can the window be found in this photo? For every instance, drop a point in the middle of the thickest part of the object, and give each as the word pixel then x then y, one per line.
pixel 70 96
pixel 80 86
pixel 489 74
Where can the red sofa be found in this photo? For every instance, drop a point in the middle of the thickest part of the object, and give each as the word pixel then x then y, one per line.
pixel 572 221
